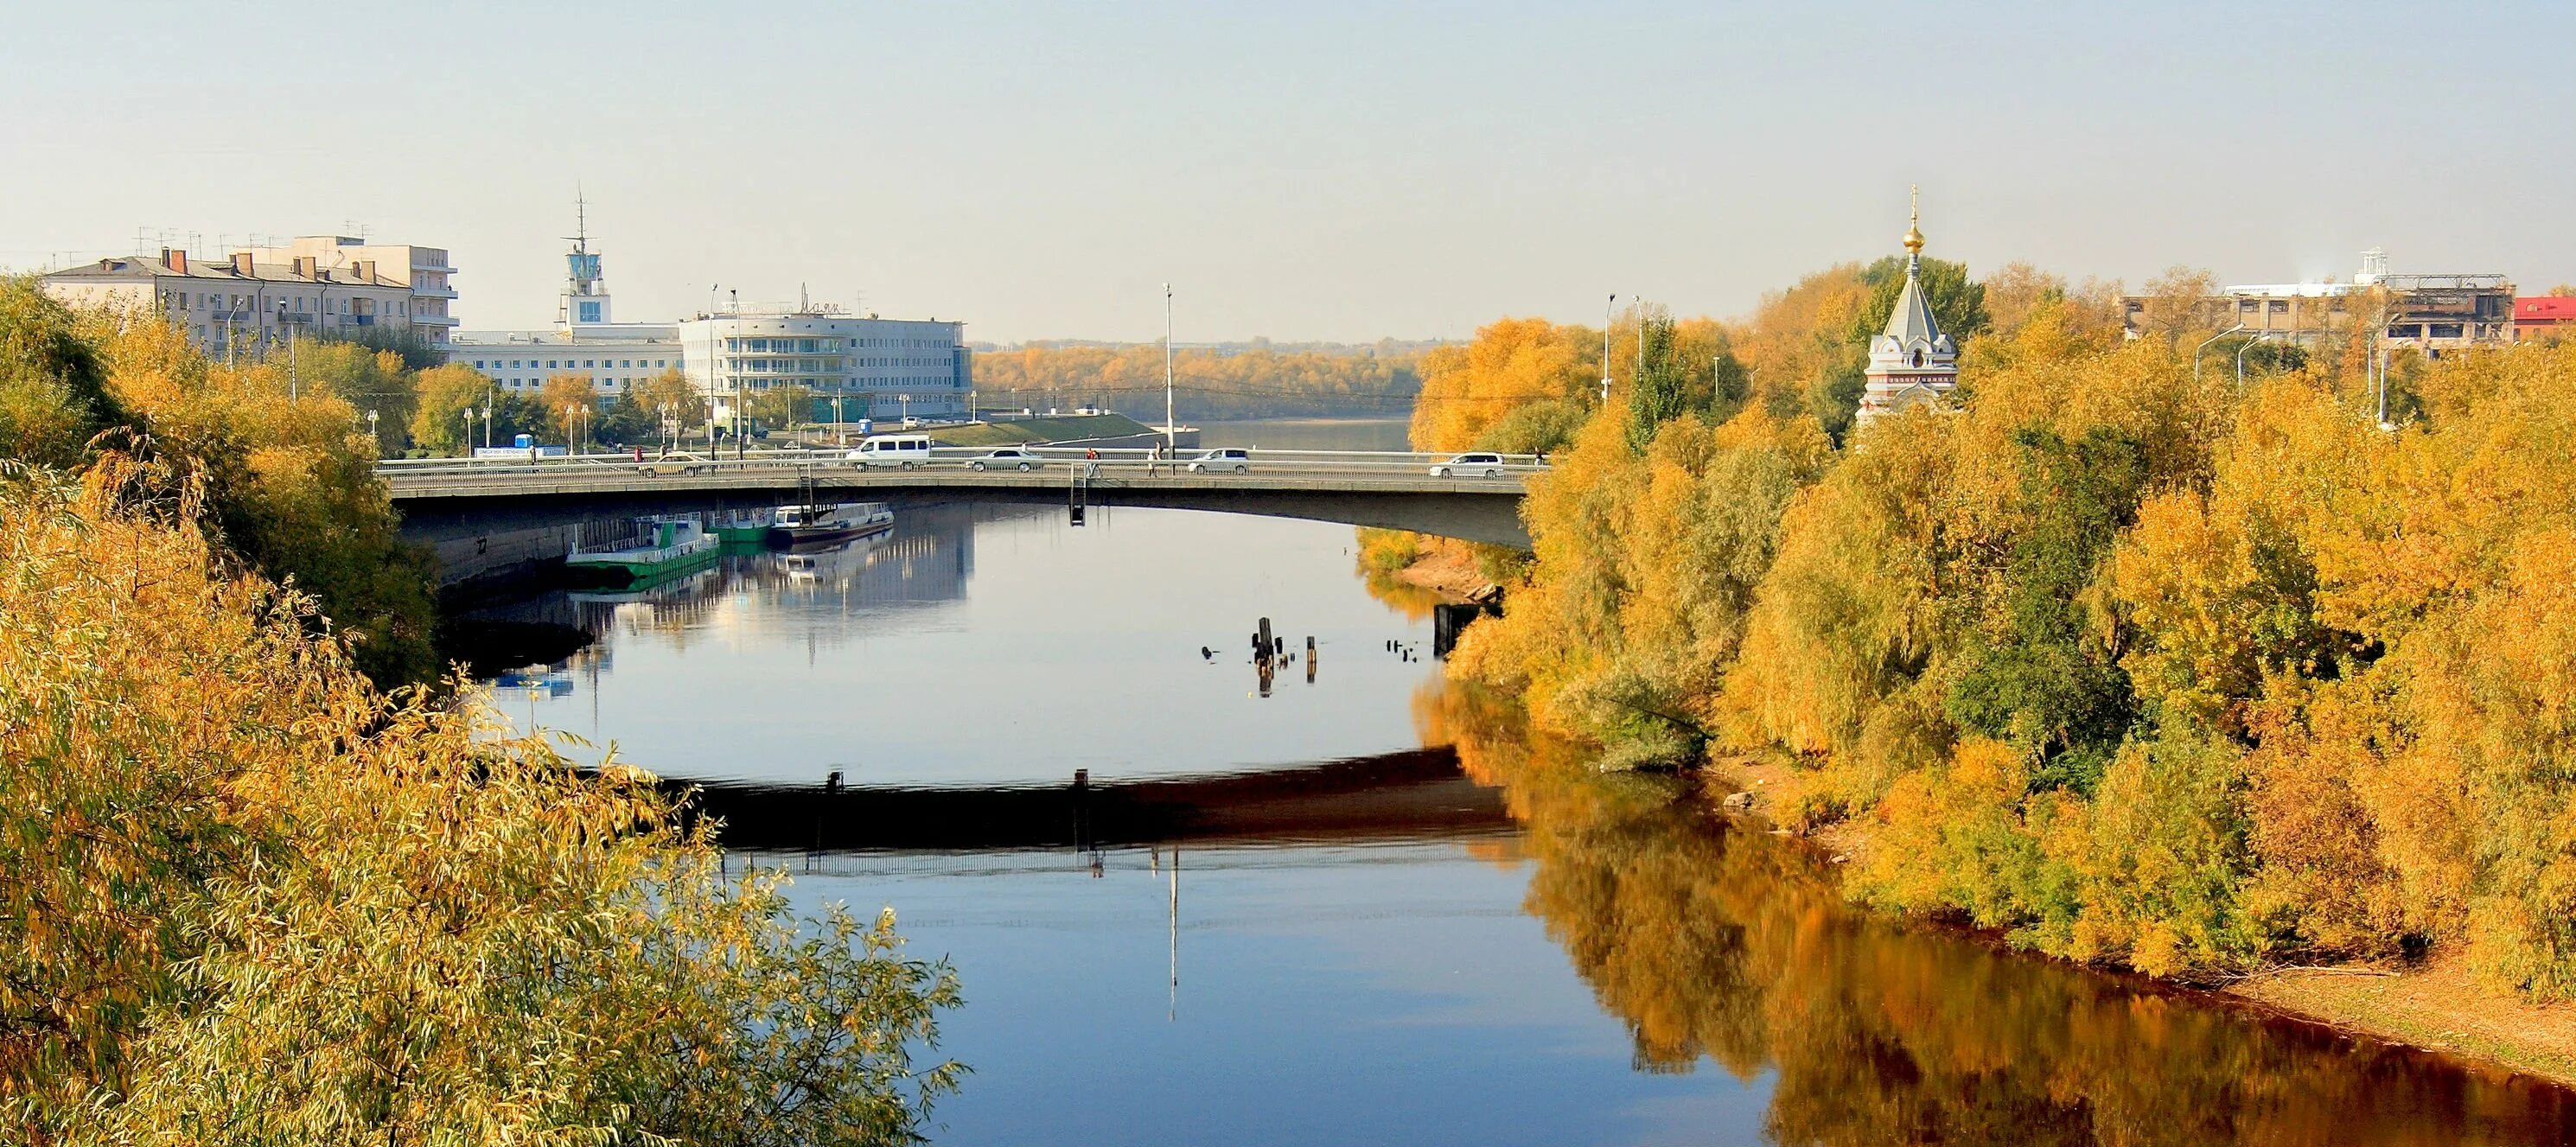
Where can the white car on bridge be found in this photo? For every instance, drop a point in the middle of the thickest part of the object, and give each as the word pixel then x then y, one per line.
pixel 1476 463
pixel 1234 459
pixel 1006 458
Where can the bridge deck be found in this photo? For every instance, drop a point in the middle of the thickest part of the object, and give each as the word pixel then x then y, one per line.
pixel 596 475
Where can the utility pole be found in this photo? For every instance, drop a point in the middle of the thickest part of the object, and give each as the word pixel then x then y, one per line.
pixel 736 296
pixel 1171 444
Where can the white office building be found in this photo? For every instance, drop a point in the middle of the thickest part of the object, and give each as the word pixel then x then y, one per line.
pixel 878 368
pixel 586 340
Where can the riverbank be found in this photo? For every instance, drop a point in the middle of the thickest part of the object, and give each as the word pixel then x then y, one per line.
pixel 2437 1005
pixel 1444 568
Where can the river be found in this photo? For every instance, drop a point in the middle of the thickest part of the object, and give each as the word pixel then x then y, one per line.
pixel 1467 936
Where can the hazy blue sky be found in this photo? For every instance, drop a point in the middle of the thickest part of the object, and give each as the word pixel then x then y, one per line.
pixel 1307 170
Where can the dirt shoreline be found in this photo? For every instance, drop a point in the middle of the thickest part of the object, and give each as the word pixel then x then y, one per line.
pixel 2437 1005
pixel 1448 571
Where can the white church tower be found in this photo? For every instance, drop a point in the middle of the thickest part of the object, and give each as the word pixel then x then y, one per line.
pixel 1910 362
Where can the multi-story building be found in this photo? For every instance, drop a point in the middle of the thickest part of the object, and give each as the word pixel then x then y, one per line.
pixel 876 367
pixel 425 268
pixel 586 340
pixel 2436 314
pixel 242 305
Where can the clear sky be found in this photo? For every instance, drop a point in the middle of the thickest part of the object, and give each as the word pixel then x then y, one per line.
pixel 1313 170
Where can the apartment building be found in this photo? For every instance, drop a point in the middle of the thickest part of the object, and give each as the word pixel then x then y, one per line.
pixel 242 305
pixel 433 294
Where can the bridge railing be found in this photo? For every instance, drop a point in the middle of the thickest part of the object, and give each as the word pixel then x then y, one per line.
pixel 1110 462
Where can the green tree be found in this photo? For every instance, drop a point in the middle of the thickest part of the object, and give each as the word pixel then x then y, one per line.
pixel 53 388
pixel 2041 675
pixel 782 407
pixel 367 379
pixel 1659 391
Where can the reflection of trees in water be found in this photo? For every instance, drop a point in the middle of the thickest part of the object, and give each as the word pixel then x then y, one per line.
pixel 1711 939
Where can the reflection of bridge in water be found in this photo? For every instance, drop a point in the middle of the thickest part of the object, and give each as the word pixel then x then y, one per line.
pixel 1416 794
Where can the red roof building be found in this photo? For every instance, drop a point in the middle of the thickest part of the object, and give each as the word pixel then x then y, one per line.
pixel 2538 315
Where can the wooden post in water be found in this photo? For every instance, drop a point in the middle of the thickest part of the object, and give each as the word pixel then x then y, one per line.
pixel 1081 810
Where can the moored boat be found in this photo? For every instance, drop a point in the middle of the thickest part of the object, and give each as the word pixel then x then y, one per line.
pixel 670 547
pixel 744 526
pixel 828 523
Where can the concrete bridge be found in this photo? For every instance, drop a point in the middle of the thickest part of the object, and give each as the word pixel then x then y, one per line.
pixel 492 518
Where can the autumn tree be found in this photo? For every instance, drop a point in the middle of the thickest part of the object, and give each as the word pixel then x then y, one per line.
pixel 1509 363
pixel 367 379
pixel 298 911
pixel 670 393
pixel 568 401
pixel 782 406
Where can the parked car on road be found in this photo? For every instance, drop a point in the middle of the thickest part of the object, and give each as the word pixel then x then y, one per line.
pixel 1479 464
pixel 1006 458
pixel 1234 459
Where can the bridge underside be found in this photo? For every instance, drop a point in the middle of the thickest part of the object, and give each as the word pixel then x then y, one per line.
pixel 479 535
pixel 1409 795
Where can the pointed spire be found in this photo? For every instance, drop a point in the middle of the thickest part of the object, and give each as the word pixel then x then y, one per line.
pixel 1911 318
pixel 1913 229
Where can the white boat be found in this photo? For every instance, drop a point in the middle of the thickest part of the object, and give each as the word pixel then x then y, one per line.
pixel 826 524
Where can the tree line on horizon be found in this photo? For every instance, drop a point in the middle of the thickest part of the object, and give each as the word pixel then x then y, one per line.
pixel 1254 382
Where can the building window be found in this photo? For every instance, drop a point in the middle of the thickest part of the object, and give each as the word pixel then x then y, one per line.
pixel 589 363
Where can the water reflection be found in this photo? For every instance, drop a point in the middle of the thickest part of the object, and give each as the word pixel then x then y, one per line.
pixel 1714 942
pixel 990 645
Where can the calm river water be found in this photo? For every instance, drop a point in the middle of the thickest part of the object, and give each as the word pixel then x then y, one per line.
pixel 1461 935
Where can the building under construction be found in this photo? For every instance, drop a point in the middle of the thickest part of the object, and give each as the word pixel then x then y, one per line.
pixel 2436 314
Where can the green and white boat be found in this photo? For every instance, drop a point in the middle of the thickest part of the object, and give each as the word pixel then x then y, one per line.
pixel 744 527
pixel 670 547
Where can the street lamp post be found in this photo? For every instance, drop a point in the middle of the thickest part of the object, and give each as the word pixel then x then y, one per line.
pixel 2204 345
pixel 1171 444
pixel 1605 347
pixel 465 445
pixel 371 433
pixel 2240 359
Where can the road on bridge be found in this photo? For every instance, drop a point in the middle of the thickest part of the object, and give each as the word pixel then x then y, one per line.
pixel 429 479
